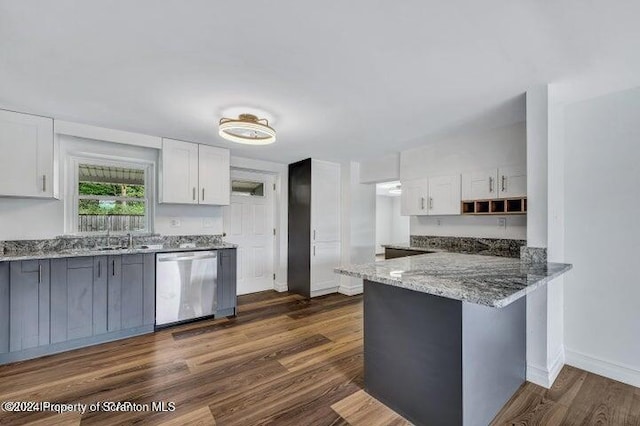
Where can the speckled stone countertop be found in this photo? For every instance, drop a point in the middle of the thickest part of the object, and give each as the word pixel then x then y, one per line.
pixel 484 280
pixel 89 246
pixel 412 248
pixel 94 252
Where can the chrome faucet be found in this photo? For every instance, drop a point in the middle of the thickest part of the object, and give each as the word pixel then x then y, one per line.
pixel 130 241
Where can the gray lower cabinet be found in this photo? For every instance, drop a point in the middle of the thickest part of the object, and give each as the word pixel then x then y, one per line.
pixel 4 307
pixel 49 306
pixel 226 288
pixel 91 296
pixel 29 304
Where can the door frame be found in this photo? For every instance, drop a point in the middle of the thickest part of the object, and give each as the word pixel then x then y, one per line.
pixel 279 214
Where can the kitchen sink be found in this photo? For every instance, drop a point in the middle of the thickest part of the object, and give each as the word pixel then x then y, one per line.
pixel 110 248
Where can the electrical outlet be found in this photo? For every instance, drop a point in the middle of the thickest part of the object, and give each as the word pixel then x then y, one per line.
pixel 175 222
pixel 502 222
pixel 438 222
pixel 207 222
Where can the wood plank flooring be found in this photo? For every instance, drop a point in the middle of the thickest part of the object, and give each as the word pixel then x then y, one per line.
pixel 283 360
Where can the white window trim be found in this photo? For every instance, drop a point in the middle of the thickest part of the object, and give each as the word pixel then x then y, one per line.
pixel 71 199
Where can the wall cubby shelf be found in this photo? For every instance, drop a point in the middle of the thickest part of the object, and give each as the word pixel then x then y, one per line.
pixel 499 206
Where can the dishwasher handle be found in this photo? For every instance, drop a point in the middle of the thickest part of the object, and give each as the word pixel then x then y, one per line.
pixel 187 256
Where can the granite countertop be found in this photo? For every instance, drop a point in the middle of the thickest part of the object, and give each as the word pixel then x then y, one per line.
pixel 484 280
pixel 81 252
pixel 413 248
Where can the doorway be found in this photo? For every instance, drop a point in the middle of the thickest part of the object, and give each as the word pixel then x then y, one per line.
pixel 249 223
pixel 391 227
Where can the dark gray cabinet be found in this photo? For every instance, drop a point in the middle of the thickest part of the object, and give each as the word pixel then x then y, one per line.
pixel 78 297
pixel 4 307
pixel 137 285
pixel 226 286
pixel 91 296
pixel 29 303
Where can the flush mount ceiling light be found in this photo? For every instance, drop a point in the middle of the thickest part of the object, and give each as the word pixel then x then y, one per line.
pixel 247 129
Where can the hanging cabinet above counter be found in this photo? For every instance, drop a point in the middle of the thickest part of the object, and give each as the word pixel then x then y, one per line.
pixel 28 164
pixel 191 173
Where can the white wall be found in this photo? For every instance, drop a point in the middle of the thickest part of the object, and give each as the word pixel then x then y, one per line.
pixel 391 227
pixel 358 223
pixel 384 212
pixel 602 231
pixel 383 169
pixel 399 224
pixel 465 153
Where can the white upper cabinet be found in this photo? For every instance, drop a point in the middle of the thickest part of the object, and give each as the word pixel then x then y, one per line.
pixel 444 195
pixel 325 201
pixel 179 172
pixel 438 195
pixel 28 155
pixel 512 181
pixel 194 174
pixel 503 182
pixel 481 185
pixel 213 175
pixel 413 199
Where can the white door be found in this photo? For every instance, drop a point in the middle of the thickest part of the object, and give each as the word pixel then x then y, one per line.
pixel 248 222
pixel 26 163
pixel 444 195
pixel 179 174
pixel 513 181
pixel 481 185
pixel 413 199
pixel 213 175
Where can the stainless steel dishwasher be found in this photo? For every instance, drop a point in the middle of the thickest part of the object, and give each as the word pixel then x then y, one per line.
pixel 185 286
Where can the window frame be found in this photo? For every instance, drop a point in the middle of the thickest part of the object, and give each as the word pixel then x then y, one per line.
pixel 73 198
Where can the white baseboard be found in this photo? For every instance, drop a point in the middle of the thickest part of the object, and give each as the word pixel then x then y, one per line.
pixel 324 291
pixel 280 287
pixel 622 373
pixel 350 290
pixel 545 377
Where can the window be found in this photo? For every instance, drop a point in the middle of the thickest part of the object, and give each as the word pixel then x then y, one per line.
pixel 247 188
pixel 110 197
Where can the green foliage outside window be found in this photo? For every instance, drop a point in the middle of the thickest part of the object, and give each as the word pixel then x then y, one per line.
pixel 96 207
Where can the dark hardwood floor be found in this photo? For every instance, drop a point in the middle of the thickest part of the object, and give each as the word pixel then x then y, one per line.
pixel 283 360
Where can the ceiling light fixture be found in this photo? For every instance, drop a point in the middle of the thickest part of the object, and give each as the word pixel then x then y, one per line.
pixel 247 129
pixel 396 191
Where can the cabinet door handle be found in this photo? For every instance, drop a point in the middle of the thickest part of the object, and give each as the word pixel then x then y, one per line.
pixel 113 268
pixel 194 193
pixel 44 183
pixel 99 269
pixel 39 274
pixel 314 235
pixel 430 203
pixel 202 194
pixel 504 183
pixel 422 203
pixel 490 184
pixel 314 250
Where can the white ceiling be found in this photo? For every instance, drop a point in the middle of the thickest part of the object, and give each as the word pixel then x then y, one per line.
pixel 339 80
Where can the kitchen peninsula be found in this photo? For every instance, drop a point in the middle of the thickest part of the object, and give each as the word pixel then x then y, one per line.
pixel 445 333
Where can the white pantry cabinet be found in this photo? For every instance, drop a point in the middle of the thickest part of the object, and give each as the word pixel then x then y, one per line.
pixel 27 155
pixel 314 227
pixel 437 195
pixel 194 174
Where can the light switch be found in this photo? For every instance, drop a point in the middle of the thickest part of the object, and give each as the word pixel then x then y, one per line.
pixel 175 222
pixel 502 222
